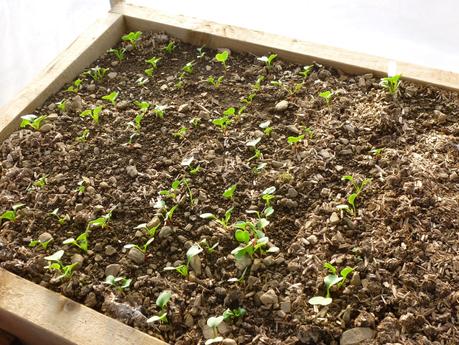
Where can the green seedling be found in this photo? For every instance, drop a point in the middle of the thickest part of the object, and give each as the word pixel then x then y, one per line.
pixel 240 279
pixel 93 113
pixel 81 241
pixel 230 314
pixel 169 214
pixel 215 82
pixel 169 48
pixel 326 96
pixel 229 192
pixel 160 111
pixel 259 168
pixel 11 215
pixel 142 105
pixel 82 186
pixel 213 323
pixel 172 193
pixel 195 121
pixel 295 140
pixel 132 38
pixel 62 105
pixel 188 68
pixel 55 264
pixel 195 170
pixel 391 84
pixel 181 133
pixel 267 195
pixel 248 99
pixel 357 190
pixel 75 87
pixel 32 121
pixel 268 60
pixel 151 231
pixel 111 97
pixel 119 53
pixel 194 250
pixel 153 62
pixel 222 221
pixel 40 183
pixel 252 238
pixel 162 301
pixel 119 283
pixel 149 72
pixel 143 248
pixel 60 219
pixel 83 137
pixel 101 222
pixel 257 86
pixel 43 244
pixel 141 81
pixel 137 123
pixel 376 152
pixel 257 152
pixel 97 73
pixel 201 52
pixel 222 58
pixel 209 249
pixel 331 280
pixel 266 127
pixel 306 71
pixel 291 91
pixel 186 162
pixel 224 121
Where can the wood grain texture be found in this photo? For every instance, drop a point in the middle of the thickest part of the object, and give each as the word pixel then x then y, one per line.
pixel 199 32
pixel 39 316
pixel 102 35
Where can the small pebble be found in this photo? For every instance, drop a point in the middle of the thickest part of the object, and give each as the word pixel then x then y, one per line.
pixel 281 106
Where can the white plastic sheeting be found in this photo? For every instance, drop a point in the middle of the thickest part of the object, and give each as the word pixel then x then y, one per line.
pixel 424 32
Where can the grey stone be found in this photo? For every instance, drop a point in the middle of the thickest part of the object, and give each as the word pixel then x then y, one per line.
pixel 110 250
pixel 195 264
pixel 286 306
pixel 325 154
pixel 292 193
pixel 112 270
pixel 165 231
pixel 312 239
pixel 155 221
pixel 45 237
pixel 356 335
pixel 281 106
pixel 131 170
pixel 123 105
pixel 293 129
pixel 184 107
pixel 46 128
pixel 269 298
pixel 136 256
pixel 355 280
pixel 334 218
pixel 77 258
pixel 229 341
pixel 243 262
pixel 112 75
pixel 104 185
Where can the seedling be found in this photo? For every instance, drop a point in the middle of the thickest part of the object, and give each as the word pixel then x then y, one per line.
pixel 160 111
pixel 55 264
pixel 240 279
pixel 305 72
pixel 149 72
pixel 222 58
pixel 153 62
pixel 170 47
pixel 215 82
pixel 62 105
pixel 11 215
pixel 257 85
pixel 376 152
pixel 188 68
pixel 268 60
pixel 143 106
pixel 181 133
pixel 291 91
pixel 32 121
pixel 82 186
pixel 75 87
pixel 222 221
pixel 170 213
pixel 83 137
pixel 214 322
pixel 93 113
pixel 295 140
pixel 132 37
pixel 101 222
pixel 357 190
pixel 151 231
pixel 201 52
pixel 39 183
pixel 229 192
pixel 141 81
pixel 248 99
pixel 267 195
pixel 257 152
pixel 194 250
pixel 162 301
pixel 81 242
pixel 61 219
pixel 391 84
pixel 119 283
pixel 223 122
pixel 230 314
pixel 111 97
pixel 97 73
pixel 209 249
pixel 195 121
pixel 137 123
pixel 187 163
pixel 119 53
pixel 327 96
pixel 331 280
pixel 175 186
pixel 143 248
pixel 43 244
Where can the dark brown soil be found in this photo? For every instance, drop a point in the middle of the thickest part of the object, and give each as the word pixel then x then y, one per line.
pixel 402 244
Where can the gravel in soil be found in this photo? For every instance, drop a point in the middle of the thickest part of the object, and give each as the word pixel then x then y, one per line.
pixel 401 241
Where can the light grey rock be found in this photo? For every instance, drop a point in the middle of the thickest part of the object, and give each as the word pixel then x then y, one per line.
pixel 334 218
pixel 131 170
pixel 281 106
pixel 110 250
pixel 112 270
pixel 355 336
pixel 269 298
pixel 136 256
pixel 45 237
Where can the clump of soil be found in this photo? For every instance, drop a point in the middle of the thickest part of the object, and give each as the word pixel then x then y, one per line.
pixel 402 241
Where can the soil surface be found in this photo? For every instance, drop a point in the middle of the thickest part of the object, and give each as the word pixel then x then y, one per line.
pixel 402 240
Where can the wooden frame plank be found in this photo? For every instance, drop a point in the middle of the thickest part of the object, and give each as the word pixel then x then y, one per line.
pixel 92 43
pixel 199 32
pixel 37 316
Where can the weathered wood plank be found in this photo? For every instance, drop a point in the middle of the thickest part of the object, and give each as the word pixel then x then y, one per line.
pixel 102 35
pixel 39 316
pixel 199 32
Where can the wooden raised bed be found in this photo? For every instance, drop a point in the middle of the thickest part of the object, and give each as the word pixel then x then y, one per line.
pixel 38 316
